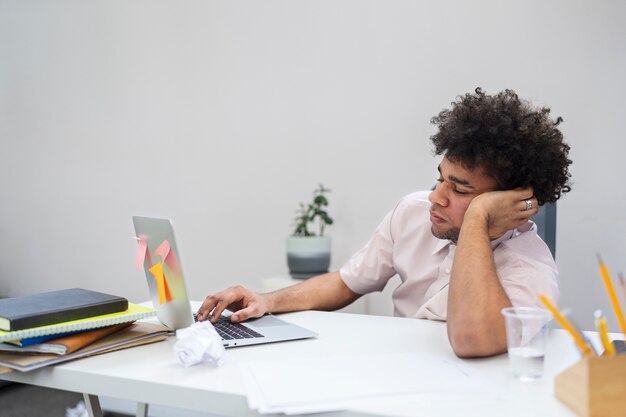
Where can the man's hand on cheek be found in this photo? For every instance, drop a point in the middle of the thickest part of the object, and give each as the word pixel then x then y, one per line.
pixel 502 210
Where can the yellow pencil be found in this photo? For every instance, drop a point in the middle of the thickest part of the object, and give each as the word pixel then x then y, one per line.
pixel 611 291
pixel 567 326
pixel 609 349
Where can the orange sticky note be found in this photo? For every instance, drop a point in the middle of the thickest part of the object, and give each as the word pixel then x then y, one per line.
pixel 164 290
pixel 140 255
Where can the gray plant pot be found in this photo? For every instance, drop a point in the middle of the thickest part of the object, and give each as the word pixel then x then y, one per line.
pixel 308 256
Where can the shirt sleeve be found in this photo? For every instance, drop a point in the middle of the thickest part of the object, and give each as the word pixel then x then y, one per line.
pixel 369 269
pixel 529 273
pixel 523 290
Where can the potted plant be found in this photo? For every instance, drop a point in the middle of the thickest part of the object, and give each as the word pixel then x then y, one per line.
pixel 308 253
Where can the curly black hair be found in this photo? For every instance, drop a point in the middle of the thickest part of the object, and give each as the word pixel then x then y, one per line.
pixel 516 144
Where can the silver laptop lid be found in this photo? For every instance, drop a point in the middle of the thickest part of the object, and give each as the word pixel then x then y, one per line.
pixel 163 269
pixel 162 266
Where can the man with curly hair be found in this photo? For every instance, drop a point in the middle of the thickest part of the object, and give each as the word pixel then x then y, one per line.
pixel 464 250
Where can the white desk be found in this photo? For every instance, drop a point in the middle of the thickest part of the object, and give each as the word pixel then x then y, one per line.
pixel 152 374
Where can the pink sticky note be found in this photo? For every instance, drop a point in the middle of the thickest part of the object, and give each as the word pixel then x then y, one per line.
pixel 140 255
pixel 163 250
pixel 168 256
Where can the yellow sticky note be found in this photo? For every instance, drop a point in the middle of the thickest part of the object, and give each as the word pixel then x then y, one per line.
pixel 164 290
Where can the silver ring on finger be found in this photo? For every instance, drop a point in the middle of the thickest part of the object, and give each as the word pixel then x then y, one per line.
pixel 529 204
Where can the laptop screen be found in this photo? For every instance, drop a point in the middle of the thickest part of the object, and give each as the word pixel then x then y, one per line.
pixel 162 267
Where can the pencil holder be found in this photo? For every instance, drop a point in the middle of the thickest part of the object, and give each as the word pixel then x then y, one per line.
pixel 594 386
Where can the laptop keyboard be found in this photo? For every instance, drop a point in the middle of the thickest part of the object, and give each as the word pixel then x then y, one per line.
pixel 230 331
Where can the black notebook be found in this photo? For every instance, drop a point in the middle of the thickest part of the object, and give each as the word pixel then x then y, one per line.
pixel 17 313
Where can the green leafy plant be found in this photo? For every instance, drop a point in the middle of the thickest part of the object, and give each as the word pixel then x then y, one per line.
pixel 307 214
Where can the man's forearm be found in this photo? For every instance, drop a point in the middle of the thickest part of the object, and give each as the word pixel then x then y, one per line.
pixel 323 292
pixel 475 298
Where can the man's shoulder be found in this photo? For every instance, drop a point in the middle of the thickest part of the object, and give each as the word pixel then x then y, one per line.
pixel 416 198
pixel 526 245
pixel 412 209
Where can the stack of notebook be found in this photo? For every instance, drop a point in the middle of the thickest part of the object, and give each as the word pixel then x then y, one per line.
pixel 41 329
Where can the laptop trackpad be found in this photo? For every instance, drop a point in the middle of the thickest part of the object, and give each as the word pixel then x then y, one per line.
pixel 267 321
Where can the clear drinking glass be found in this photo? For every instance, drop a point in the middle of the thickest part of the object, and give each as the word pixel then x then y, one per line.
pixel 526 333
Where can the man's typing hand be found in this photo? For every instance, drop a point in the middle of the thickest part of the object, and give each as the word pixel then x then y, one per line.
pixel 241 301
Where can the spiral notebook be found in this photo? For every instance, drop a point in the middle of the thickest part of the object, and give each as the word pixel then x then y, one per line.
pixel 134 312
pixel 136 334
pixel 62 344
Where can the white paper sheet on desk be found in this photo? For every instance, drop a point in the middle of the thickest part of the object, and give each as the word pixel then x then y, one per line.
pixel 296 386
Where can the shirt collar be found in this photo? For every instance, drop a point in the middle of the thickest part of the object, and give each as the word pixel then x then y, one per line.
pixel 441 243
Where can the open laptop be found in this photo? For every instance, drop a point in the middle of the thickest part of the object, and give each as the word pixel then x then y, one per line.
pixel 162 266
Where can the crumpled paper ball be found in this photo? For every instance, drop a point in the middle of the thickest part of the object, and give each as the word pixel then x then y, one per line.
pixel 199 343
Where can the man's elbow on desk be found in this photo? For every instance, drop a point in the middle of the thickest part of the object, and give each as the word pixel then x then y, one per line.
pixel 476 343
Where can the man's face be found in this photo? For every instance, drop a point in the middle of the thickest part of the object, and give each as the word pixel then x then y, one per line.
pixel 457 186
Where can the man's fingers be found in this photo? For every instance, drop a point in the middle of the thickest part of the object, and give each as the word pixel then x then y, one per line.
pixel 242 302
pixel 207 305
pixel 213 305
pixel 525 192
pixel 217 311
pixel 528 204
pixel 245 314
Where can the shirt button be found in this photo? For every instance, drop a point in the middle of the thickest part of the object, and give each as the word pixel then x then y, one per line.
pixel 447 270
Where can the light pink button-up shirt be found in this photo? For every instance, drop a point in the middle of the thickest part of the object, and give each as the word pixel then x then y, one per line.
pixel 403 244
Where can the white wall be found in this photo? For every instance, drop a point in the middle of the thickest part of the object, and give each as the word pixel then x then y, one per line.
pixel 224 115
